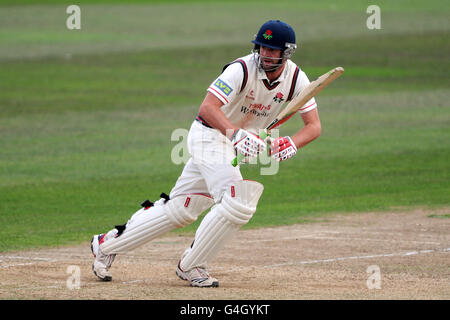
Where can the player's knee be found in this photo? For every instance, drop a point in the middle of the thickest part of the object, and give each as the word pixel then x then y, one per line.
pixel 184 209
pixel 240 200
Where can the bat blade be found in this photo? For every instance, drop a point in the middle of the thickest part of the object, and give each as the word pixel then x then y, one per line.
pixel 307 94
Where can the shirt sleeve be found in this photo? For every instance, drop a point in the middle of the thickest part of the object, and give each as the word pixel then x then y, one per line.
pixel 226 87
pixel 302 83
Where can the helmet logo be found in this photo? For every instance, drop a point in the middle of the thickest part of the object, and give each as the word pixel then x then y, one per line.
pixel 268 35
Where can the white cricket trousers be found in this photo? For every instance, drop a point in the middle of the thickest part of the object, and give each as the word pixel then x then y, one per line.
pixel 209 170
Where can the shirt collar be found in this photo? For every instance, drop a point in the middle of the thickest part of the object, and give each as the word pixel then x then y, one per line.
pixel 261 75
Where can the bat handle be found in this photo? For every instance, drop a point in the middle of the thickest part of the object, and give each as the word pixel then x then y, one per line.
pixel 263 135
pixel 237 159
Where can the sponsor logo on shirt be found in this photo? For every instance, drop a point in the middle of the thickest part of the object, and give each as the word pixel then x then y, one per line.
pixel 259 106
pixel 223 86
pixel 258 110
pixel 251 95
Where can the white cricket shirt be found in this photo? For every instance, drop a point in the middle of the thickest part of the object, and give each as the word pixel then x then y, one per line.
pixel 250 101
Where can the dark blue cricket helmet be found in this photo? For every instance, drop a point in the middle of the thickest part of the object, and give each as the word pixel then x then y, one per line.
pixel 276 34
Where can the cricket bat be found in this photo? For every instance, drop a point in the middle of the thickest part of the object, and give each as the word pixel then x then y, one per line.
pixel 309 92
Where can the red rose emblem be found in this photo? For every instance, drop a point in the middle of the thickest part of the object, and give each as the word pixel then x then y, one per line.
pixel 278 97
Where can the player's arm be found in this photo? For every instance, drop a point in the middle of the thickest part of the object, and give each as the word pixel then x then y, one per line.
pixel 284 148
pixel 223 91
pixel 245 143
pixel 310 131
pixel 210 110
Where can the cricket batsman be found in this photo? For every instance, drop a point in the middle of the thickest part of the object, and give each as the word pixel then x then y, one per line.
pixel 243 99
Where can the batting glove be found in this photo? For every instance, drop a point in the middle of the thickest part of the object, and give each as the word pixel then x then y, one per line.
pixel 282 148
pixel 248 144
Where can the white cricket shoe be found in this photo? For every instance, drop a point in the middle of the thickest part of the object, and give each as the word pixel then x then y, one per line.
pixel 102 261
pixel 197 276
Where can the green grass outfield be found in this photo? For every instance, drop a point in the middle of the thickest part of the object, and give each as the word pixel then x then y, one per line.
pixel 86 116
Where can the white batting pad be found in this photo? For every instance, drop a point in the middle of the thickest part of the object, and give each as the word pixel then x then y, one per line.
pixel 219 225
pixel 147 224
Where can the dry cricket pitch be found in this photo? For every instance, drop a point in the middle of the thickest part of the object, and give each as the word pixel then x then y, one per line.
pixel 397 255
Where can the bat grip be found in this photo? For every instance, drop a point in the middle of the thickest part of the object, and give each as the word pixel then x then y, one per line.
pixel 237 159
pixel 263 135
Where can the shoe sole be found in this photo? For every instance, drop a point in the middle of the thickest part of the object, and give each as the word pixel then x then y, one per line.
pixel 180 275
pixel 106 278
pixel 215 284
